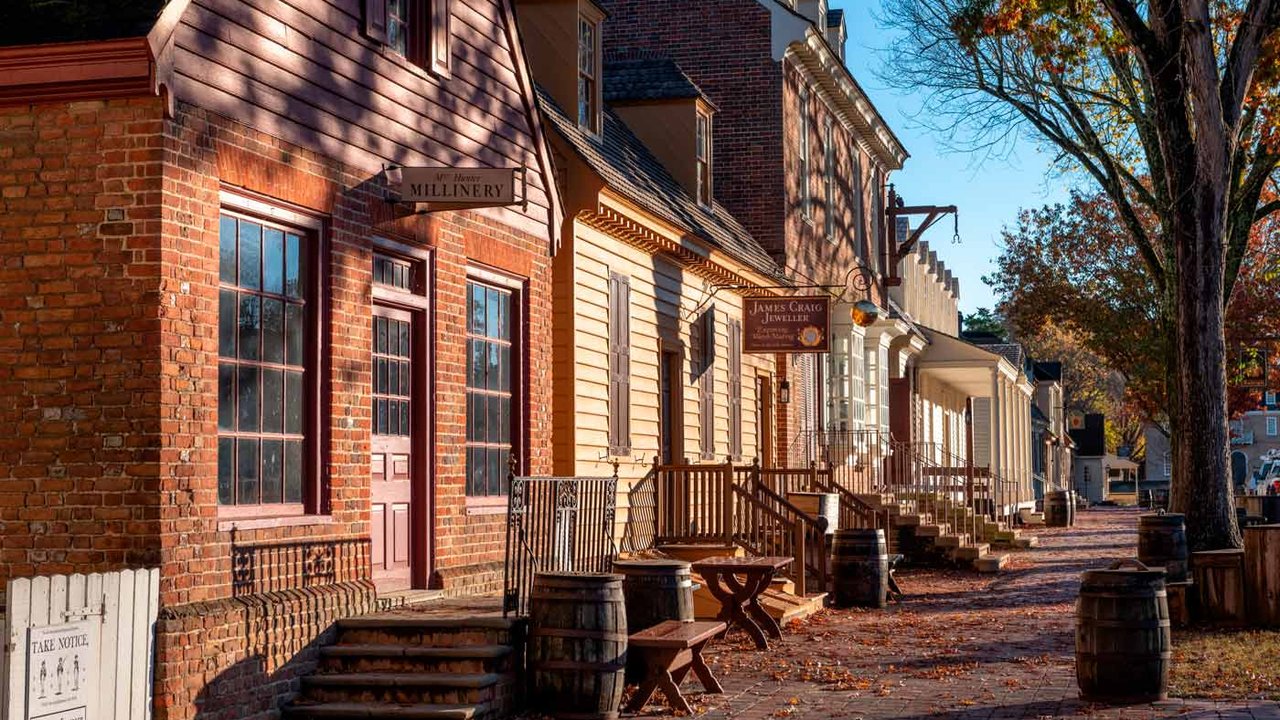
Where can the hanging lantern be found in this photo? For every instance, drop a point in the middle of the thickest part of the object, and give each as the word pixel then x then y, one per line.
pixel 864 313
pixel 784 392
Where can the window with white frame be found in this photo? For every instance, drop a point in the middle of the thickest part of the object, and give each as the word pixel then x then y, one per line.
pixel 858 390
pixel 1271 426
pixel 838 383
pixel 828 181
pixel 588 74
pixel 1166 464
pixel 806 195
pixel 884 391
pixel 702 144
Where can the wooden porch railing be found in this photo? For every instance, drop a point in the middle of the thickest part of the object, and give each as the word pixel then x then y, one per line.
pixel 724 505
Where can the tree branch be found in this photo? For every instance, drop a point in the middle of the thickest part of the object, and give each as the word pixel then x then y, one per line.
pixel 1260 20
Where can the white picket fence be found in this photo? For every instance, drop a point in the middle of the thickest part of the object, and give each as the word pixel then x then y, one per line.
pixel 125 602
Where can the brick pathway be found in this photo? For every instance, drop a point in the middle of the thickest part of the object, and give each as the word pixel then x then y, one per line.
pixel 961 646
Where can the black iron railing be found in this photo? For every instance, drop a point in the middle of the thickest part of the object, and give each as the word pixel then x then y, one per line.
pixel 556 524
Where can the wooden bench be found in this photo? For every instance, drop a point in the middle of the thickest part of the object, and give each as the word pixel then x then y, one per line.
pixel 669 650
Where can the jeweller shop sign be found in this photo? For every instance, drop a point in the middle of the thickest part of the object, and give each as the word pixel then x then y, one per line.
pixel 62 671
pixel 787 325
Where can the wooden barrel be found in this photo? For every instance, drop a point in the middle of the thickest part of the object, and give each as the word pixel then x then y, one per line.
pixel 818 505
pixel 1059 509
pixel 577 644
pixel 1123 635
pixel 1262 574
pixel 1162 542
pixel 860 566
pixel 1219 579
pixel 655 590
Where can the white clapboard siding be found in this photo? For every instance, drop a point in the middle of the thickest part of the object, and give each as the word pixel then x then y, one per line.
pixel 125 602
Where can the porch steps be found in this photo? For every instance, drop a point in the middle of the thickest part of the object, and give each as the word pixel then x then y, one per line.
pixel 779 600
pixel 991 563
pixel 406 666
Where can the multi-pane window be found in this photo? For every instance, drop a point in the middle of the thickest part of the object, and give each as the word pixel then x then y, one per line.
pixel 588 75
pixel 263 333
pixel 491 384
pixel 398 26
pixel 883 376
pixel 419 30
pixel 859 202
pixel 391 375
pixel 703 159
pixel 1271 426
pixel 806 195
pixel 838 366
pixel 828 181
pixel 858 389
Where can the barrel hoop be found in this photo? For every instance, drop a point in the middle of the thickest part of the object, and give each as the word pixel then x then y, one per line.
pixel 1135 624
pixel 586 716
pixel 607 599
pixel 578 665
pixel 576 633
pixel 1163 655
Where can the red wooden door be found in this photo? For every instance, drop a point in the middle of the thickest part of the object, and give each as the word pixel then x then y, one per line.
pixel 392 457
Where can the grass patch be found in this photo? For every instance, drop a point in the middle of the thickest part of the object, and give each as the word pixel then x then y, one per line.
pixel 1226 664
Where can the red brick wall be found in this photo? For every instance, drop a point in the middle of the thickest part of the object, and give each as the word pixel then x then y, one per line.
pixel 724 47
pixel 80 432
pixel 108 384
pixel 208 152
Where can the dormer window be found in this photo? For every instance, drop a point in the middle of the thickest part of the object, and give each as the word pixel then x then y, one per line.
pixel 703 158
pixel 417 30
pixel 589 73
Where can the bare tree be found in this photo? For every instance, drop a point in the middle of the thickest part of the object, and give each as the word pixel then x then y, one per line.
pixel 1168 105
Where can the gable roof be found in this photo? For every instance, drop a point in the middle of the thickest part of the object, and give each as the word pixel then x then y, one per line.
pixel 627 166
pixel 647 79
pixel 36 22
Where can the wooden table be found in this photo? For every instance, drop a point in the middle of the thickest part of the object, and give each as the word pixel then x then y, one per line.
pixel 740 599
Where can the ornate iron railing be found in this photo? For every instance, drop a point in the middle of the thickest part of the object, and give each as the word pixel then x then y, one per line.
pixel 556 524
pixel 276 566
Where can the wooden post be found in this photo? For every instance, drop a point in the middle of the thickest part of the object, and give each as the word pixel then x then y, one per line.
pixel 1262 574
pixel 799 562
pixel 726 490
pixel 660 518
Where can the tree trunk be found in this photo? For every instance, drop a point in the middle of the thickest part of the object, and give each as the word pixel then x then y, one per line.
pixel 1201 481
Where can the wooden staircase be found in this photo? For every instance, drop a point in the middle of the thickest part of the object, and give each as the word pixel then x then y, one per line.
pixel 923 537
pixel 414 668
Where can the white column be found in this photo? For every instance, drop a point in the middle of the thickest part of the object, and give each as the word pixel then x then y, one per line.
pixel 996 410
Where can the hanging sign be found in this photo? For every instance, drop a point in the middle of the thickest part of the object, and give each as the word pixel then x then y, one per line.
pixel 61 670
pixel 787 325
pixel 457 188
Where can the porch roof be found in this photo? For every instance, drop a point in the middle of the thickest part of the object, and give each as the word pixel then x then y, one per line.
pixel 966 367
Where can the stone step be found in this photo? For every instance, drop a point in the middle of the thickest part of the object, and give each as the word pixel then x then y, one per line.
pixel 368 711
pixel 933 530
pixel 400 659
pixel 414 630
pixel 969 553
pixel 404 688
pixel 951 541
pixel 911 520
pixel 991 563
pixel 1026 543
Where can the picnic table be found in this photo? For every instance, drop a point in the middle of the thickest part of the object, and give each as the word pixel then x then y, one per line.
pixel 740 599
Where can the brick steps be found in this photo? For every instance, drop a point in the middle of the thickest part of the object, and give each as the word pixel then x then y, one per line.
pixel 403 688
pixel 412 666
pixel 383 711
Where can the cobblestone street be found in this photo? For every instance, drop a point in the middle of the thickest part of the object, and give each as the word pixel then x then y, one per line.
pixel 960 646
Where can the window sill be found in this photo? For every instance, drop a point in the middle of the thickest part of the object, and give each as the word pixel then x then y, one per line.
pixel 266 523
pixel 487 506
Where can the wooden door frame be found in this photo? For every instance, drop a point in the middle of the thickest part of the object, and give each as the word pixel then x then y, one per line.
pixel 668 351
pixel 422 504
pixel 766 427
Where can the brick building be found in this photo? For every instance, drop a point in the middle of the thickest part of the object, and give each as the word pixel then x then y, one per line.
pixel 224 353
pixel 803 159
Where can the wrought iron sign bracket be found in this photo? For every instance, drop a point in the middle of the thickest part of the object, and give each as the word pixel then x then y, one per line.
pixel 862 283
pixel 933 213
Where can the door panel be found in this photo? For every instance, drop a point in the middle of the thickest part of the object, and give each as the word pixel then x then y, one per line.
pixel 391 458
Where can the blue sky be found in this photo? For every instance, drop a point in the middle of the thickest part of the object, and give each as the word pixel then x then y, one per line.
pixel 989 191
